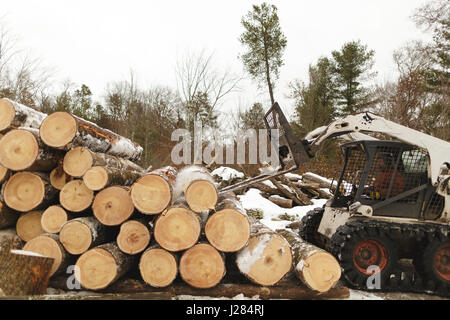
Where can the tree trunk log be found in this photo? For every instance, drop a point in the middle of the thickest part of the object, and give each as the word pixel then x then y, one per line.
pixel 75 196
pixel 310 177
pixel 53 218
pixel 21 149
pixel 24 273
pixel 26 191
pixel 153 193
pixel 101 266
pixel 98 178
pixel 315 267
pixel 15 115
pixel 228 229
pixel 49 245
pixel 80 159
pixel 9 240
pixel 267 258
pixel 112 206
pixel 58 178
pixel 202 266
pixel 8 218
pixel 196 185
pixel 29 225
pixel 267 189
pixel 297 192
pixel 178 228
pixel 79 132
pixel 281 202
pixel 81 234
pixel 158 267
pixel 134 236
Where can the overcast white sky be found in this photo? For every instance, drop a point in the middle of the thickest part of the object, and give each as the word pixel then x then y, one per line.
pixel 98 41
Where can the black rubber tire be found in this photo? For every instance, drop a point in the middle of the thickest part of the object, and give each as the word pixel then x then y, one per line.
pixel 344 242
pixel 430 272
pixel 309 225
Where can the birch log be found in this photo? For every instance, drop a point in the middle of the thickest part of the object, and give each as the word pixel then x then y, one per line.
pixel 267 258
pixel 315 267
pixel 228 229
pixel 26 191
pixel 53 218
pixel 98 178
pixel 178 228
pixel 99 267
pixel 158 267
pixel 112 206
pixel 29 225
pixel 58 178
pixel 64 131
pixel 14 115
pixel 75 196
pixel 197 186
pixel 153 193
pixel 134 236
pixel 202 266
pixel 48 245
pixel 80 234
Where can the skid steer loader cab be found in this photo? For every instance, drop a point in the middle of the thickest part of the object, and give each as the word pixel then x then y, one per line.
pixel 382 179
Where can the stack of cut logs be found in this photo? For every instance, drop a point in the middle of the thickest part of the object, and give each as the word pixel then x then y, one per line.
pixel 73 199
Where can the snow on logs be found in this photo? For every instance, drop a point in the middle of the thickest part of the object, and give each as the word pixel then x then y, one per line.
pixel 64 131
pixel 14 115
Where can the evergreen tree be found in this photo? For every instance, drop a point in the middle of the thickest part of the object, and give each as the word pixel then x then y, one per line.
pixel 265 43
pixel 252 118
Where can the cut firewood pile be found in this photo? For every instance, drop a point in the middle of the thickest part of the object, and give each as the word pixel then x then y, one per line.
pixel 74 201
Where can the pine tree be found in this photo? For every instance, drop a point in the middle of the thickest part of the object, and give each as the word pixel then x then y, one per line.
pixel 265 43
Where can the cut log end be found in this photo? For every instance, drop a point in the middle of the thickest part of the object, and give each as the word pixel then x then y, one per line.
pixel 320 271
pixel 77 162
pixel 47 247
pixel 97 268
pixel 76 237
pixel 112 206
pixel 177 229
pixel 266 259
pixel 151 194
pixel 75 196
pixel 201 195
pixel 202 266
pixel 58 178
pixel 58 129
pixel 24 191
pixel 18 150
pixel 133 237
pixel 53 218
pixel 96 178
pixel 8 113
pixel 29 225
pixel 158 267
pixel 228 230
pixel 4 173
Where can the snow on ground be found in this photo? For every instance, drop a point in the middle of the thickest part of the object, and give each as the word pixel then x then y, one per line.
pixel 227 173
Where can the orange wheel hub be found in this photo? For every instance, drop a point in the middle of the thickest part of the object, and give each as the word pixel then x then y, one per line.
pixel 441 262
pixel 369 253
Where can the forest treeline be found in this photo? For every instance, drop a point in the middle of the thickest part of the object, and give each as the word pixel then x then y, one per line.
pixel 336 85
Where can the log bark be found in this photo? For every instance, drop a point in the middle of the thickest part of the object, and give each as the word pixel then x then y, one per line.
pixel 80 159
pixel 158 267
pixel 113 206
pixel 267 189
pixel 228 229
pixel 8 218
pixel 24 273
pixel 29 225
pixel 202 266
pixel 21 149
pixel 297 192
pixel 287 193
pixel 178 228
pixel 9 240
pixel 58 178
pixel 79 132
pixel 75 196
pixel 101 266
pixel 310 177
pixel 197 187
pixel 49 245
pixel 15 115
pixel 153 193
pixel 53 218
pixel 98 178
pixel 26 191
pixel 316 268
pixel 267 258
pixel 81 234
pixel 281 202
pixel 134 236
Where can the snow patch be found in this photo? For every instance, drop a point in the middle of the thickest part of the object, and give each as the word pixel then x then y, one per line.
pixel 246 257
pixel 26 253
pixel 227 173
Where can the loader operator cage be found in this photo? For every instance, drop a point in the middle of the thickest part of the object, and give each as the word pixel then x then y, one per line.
pixel 389 176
